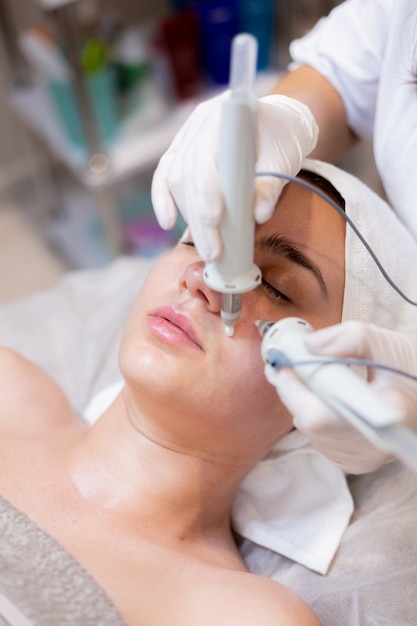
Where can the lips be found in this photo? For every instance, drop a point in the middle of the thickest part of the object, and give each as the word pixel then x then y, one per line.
pixel 173 327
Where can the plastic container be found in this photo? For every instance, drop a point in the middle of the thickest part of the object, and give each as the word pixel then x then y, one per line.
pixel 257 17
pixel 101 90
pixel 179 37
pixel 131 57
pixel 219 23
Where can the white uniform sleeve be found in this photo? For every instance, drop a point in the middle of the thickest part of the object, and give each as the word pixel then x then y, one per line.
pixel 347 47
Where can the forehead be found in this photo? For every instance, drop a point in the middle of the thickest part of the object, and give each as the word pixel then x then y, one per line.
pixel 308 221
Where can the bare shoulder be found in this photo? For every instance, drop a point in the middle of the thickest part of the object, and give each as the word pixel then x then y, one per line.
pixel 26 392
pixel 16 369
pixel 266 602
pixel 247 599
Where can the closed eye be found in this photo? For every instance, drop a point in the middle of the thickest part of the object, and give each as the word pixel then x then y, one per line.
pixel 276 293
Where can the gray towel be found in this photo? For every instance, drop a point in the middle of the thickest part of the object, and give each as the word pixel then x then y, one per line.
pixel 41 584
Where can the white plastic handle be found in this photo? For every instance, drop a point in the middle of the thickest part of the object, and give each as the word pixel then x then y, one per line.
pixel 234 272
pixel 343 389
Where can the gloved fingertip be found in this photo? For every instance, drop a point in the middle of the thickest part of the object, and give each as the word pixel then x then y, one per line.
pixel 263 211
pixel 267 193
pixel 166 215
pixel 324 337
pixel 207 243
pixel 208 251
pixel 281 378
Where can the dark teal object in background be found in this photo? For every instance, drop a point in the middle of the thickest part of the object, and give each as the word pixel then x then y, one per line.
pixel 101 87
pixel 257 17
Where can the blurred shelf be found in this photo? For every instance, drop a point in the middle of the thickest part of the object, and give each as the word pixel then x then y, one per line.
pixel 130 153
pixel 127 155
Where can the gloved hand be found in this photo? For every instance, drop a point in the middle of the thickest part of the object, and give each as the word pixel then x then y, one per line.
pixel 186 178
pixel 330 433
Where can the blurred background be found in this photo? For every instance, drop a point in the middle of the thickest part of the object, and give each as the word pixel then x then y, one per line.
pixel 91 94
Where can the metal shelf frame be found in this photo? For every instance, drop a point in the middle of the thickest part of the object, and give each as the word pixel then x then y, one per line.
pixel 98 168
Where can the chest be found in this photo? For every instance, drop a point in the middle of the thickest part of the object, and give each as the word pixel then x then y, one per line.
pixel 147 582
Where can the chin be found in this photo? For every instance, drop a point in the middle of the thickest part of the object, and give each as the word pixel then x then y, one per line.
pixel 152 371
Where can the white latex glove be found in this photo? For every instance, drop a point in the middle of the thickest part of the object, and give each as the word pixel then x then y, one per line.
pixel 329 432
pixel 186 178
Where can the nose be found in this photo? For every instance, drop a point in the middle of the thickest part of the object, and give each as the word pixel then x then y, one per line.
pixel 192 281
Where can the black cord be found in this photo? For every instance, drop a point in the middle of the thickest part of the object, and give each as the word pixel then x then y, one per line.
pixel 334 205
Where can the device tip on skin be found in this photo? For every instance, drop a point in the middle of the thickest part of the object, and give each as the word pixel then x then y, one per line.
pixel 230 311
pixel 263 326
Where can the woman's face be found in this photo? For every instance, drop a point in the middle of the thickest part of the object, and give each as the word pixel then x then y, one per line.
pixel 193 387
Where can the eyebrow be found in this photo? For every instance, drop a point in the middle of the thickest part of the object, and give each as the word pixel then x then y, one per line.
pixel 283 247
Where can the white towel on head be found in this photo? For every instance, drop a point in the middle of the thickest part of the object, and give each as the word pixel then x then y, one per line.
pixel 368 296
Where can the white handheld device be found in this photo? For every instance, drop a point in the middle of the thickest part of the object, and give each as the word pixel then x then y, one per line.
pixel 337 385
pixel 234 272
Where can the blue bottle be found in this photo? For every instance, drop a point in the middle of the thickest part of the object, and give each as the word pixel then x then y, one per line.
pixel 219 23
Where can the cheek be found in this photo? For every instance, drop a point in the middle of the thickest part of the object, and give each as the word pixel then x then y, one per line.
pixel 162 278
pixel 163 273
pixel 251 399
pixel 134 329
pixel 255 306
pixel 253 396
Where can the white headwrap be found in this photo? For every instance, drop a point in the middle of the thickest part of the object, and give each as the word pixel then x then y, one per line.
pixel 368 296
pixel 296 502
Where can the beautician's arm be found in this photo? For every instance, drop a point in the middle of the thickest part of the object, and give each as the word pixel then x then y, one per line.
pixel 310 87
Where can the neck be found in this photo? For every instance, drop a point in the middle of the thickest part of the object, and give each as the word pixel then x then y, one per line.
pixel 117 468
